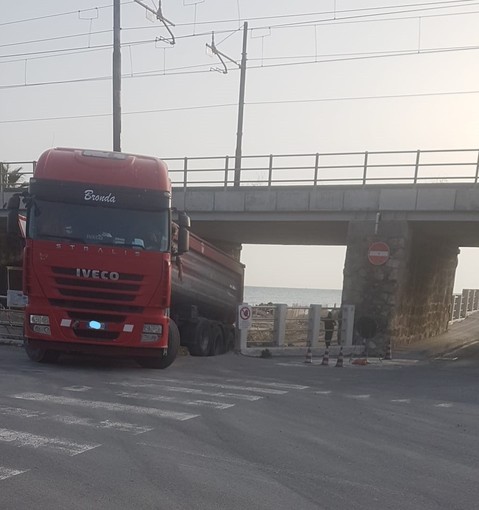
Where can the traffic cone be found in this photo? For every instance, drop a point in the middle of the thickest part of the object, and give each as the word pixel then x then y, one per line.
pixel 340 360
pixel 309 356
pixel 325 361
pixel 389 354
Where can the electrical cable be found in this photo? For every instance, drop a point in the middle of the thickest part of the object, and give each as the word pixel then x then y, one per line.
pixel 181 70
pixel 58 14
pixel 250 103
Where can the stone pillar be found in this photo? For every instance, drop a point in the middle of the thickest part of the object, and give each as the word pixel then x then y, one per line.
pixel 410 296
pixel 314 322
pixel 426 301
pixel 279 326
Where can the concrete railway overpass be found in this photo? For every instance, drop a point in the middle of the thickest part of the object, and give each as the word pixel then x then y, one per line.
pixel 422 204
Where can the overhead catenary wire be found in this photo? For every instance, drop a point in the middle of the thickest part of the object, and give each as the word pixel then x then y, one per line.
pixel 59 14
pixel 248 103
pixel 197 68
pixel 62 51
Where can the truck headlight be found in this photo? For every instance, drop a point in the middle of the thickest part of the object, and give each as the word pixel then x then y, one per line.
pixel 149 337
pixel 39 319
pixel 153 328
pixel 44 330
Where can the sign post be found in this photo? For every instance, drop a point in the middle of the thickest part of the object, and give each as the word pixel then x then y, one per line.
pixel 244 322
pixel 378 253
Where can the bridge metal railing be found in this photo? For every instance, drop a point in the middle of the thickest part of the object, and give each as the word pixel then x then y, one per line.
pixel 309 169
pixel 332 168
pixel 464 304
pixel 292 326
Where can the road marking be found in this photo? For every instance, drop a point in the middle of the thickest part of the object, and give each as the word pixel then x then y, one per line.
pixel 173 400
pixel 33 441
pixel 8 473
pixel 104 424
pixel 18 411
pixel 284 386
pixel 195 391
pixel 359 397
pixel 269 391
pixel 326 392
pixel 109 406
pixel 443 404
pixel 77 388
pixel 73 420
pixel 401 400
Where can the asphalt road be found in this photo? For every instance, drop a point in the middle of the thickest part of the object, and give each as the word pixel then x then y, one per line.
pixel 236 433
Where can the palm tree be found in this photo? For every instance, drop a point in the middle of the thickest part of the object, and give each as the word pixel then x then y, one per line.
pixel 11 178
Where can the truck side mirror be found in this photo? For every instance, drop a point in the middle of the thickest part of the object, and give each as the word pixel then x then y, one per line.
pixel 13 205
pixel 184 224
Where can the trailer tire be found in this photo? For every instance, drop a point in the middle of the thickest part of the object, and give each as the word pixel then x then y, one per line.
pixel 217 340
pixel 41 355
pixel 173 346
pixel 201 346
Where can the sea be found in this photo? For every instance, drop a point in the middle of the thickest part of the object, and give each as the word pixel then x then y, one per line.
pixel 292 296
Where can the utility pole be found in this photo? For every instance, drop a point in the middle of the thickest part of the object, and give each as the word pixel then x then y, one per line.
pixel 239 132
pixel 116 77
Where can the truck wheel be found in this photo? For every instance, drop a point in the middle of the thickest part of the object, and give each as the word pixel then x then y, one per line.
pixel 173 346
pixel 218 341
pixel 202 342
pixel 41 355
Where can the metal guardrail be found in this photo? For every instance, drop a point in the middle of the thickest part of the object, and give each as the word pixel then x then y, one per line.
pixel 314 169
pixel 291 326
pixel 332 168
pixel 464 304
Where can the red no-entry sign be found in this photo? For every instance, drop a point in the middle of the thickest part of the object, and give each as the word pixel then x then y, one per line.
pixel 378 253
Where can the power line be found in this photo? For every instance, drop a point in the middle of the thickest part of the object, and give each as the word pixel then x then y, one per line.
pixel 444 4
pixel 429 6
pixel 440 5
pixel 57 38
pixel 188 69
pixel 365 18
pixel 250 103
pixel 337 21
pixel 58 14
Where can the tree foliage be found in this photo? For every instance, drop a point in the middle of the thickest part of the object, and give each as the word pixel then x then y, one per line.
pixel 11 177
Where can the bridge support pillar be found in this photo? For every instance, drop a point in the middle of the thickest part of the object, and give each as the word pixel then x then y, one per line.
pixel 410 295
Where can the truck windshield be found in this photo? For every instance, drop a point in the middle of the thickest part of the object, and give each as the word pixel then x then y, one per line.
pixel 99 225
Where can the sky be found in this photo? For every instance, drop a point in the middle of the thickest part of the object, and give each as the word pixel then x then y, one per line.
pixel 322 76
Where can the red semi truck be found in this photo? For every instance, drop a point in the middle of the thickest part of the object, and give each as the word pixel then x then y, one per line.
pixel 106 270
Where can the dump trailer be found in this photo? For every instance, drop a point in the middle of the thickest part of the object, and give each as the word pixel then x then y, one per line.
pixel 108 268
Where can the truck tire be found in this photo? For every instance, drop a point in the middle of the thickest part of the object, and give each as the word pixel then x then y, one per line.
pixel 173 346
pixel 201 346
pixel 41 355
pixel 217 340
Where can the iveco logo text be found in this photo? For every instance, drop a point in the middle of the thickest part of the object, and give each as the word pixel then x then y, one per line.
pixel 99 275
pixel 90 195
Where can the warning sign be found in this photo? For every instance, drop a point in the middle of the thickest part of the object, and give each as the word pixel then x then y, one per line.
pixel 245 316
pixel 378 253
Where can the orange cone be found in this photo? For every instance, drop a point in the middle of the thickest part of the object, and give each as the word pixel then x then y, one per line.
pixel 389 354
pixel 340 360
pixel 325 361
pixel 309 356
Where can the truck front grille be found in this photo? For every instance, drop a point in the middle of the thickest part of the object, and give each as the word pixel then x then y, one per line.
pixel 91 305
pixel 94 296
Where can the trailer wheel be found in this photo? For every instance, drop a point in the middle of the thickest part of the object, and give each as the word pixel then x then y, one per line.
pixel 41 355
pixel 217 340
pixel 173 346
pixel 202 341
